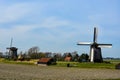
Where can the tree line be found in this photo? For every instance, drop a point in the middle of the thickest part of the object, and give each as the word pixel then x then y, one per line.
pixel 34 53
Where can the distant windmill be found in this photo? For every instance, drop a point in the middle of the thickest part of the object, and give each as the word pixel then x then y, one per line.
pixel 12 50
pixel 95 48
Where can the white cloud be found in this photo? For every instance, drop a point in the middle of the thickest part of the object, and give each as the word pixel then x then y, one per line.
pixel 52 22
pixel 29 30
pixel 13 12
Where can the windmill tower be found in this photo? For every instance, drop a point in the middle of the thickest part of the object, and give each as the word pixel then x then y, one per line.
pixel 12 50
pixel 95 48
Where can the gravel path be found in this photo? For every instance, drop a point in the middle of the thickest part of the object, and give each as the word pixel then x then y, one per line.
pixel 28 72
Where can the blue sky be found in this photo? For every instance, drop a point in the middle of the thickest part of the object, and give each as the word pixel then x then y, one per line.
pixel 57 25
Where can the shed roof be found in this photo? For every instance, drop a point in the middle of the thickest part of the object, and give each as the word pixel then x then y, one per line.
pixel 45 60
pixel 68 58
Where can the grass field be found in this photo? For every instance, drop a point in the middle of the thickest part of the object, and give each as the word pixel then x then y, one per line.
pixel 110 65
pixel 86 65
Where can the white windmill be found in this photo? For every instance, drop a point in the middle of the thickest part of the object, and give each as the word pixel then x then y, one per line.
pixel 95 48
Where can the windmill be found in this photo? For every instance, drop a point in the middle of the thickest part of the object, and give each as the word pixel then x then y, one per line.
pixel 95 48
pixel 12 50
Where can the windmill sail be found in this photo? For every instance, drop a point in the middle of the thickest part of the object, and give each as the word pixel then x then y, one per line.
pixel 105 45
pixel 11 42
pixel 95 34
pixel 10 46
pixel 84 43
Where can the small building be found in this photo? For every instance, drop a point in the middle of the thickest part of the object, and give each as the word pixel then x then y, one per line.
pixel 68 58
pixel 46 61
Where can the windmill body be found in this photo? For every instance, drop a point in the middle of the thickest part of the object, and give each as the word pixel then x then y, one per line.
pixel 95 48
pixel 12 51
pixel 95 54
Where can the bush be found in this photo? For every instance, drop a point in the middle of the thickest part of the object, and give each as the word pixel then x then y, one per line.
pixel 117 66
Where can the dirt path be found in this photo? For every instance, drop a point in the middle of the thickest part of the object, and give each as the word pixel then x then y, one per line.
pixel 28 72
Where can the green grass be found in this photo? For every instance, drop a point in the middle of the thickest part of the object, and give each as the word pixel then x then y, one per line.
pixel 16 62
pixel 113 61
pixel 110 65
pixel 86 65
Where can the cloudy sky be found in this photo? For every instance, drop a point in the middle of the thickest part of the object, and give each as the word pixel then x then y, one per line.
pixel 57 25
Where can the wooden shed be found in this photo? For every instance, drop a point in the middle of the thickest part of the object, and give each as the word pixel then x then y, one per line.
pixel 68 58
pixel 46 61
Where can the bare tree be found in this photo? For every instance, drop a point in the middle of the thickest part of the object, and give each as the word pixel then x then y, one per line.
pixel 34 49
pixel 75 56
pixel 1 54
pixel 33 52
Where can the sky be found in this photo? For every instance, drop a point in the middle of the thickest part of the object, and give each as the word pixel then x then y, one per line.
pixel 57 25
